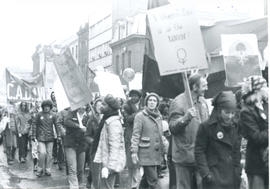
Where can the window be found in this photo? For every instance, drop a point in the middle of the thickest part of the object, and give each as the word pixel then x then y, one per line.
pixel 123 62
pixel 76 52
pixel 129 59
pixel 117 64
pixel 72 51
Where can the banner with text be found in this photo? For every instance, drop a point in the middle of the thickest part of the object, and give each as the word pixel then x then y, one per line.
pixel 241 57
pixel 74 84
pixel 177 38
pixel 24 89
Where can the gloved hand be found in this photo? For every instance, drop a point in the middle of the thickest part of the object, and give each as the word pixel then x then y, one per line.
pixel 105 172
pixel 134 158
pixel 209 178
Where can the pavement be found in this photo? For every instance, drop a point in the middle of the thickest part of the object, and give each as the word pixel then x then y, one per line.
pixel 21 176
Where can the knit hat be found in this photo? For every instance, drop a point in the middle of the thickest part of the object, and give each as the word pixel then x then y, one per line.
pixel 112 102
pixel 149 95
pixel 224 100
pixel 47 103
pixel 135 92
pixel 252 84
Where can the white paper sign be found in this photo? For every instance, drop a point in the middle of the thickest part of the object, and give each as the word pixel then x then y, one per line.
pixel 109 83
pixel 177 38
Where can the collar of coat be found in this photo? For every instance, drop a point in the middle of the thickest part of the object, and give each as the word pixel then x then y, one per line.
pixel 147 114
pixel 111 119
pixel 217 129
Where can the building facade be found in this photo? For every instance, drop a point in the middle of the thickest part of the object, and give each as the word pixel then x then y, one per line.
pixel 83 46
pixel 128 43
pixel 99 51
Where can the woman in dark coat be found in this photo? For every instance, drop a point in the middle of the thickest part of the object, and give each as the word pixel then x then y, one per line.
pixel 217 147
pixel 254 126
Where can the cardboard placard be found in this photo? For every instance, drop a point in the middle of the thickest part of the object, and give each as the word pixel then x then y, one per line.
pixel 241 57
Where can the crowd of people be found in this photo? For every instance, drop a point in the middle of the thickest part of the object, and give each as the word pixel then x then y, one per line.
pixel 147 133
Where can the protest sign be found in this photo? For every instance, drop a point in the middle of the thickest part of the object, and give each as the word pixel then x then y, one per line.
pixel 109 83
pixel 177 39
pixel 24 89
pixel 241 57
pixel 74 84
pixel 136 83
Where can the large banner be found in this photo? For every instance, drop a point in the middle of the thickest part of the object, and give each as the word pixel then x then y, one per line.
pixel 241 57
pixel 74 84
pixel 27 88
pixel 177 38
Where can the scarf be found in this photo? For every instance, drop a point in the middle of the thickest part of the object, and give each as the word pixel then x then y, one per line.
pixel 154 113
pixel 100 127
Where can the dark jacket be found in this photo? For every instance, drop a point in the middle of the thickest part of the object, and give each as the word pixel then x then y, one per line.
pixel 92 127
pixel 9 134
pixel 146 139
pixel 75 137
pixel 254 124
pixel 217 152
pixel 22 122
pixel 42 127
pixel 129 111
pixel 184 131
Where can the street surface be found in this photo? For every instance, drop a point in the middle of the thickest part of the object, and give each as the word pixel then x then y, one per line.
pixel 21 176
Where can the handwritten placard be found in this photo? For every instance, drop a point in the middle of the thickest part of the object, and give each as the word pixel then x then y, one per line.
pixel 177 38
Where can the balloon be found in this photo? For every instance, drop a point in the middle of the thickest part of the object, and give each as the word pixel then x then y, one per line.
pixel 128 74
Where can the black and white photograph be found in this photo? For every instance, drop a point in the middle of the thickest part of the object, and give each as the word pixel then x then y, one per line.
pixel 134 94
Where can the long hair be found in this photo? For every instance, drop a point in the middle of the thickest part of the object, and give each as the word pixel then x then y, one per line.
pixel 26 107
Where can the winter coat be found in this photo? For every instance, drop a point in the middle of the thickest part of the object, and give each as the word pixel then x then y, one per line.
pixel 183 131
pixel 129 111
pixel 254 125
pixel 60 120
pixel 217 152
pixel 111 148
pixel 9 134
pixel 75 137
pixel 33 113
pixel 23 122
pixel 92 127
pixel 146 139
pixel 43 127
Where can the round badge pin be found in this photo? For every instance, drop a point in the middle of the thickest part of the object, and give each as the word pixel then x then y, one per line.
pixel 263 115
pixel 50 116
pixel 41 117
pixel 220 135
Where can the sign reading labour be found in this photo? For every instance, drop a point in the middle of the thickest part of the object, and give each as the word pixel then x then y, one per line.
pixel 18 89
pixel 177 39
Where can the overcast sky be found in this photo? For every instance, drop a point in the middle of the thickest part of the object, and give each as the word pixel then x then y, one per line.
pixel 27 23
